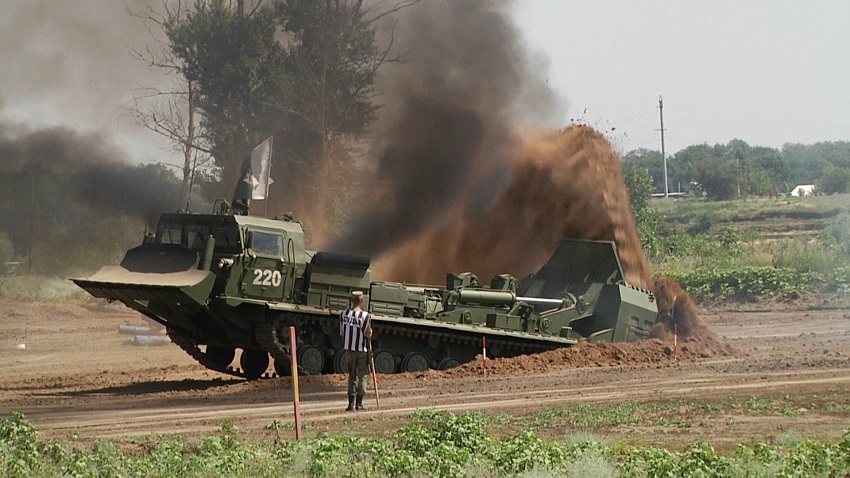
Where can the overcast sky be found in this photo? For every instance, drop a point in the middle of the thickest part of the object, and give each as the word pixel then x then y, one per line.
pixel 767 72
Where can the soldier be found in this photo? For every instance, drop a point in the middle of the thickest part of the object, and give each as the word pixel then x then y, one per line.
pixel 355 327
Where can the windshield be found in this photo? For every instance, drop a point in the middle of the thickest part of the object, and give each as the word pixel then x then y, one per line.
pixel 267 243
pixel 193 235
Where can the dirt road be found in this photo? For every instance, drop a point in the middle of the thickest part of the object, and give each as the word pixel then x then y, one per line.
pixel 66 367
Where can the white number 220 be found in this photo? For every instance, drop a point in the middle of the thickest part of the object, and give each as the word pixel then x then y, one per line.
pixel 267 277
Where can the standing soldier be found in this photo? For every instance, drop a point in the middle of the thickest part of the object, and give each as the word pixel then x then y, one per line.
pixel 355 326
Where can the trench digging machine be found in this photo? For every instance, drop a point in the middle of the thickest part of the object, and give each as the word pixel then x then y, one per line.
pixel 227 287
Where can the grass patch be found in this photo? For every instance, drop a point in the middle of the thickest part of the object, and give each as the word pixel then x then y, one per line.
pixel 40 288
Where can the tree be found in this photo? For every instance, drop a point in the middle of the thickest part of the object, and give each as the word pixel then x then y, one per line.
pixel 332 57
pixel 715 171
pixel 639 185
pixel 768 169
pixel 650 161
pixel 7 249
pixel 170 111
pixel 807 163
pixel 296 69
pixel 234 60
pixel 834 180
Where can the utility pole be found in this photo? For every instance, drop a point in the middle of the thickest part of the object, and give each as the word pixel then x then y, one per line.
pixel 663 154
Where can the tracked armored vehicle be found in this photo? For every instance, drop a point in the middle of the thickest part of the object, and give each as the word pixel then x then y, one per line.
pixel 228 287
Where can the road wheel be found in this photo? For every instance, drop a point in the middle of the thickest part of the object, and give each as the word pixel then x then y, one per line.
pixel 415 362
pixel 385 361
pixel 220 356
pixel 311 360
pixel 254 363
pixel 448 362
pixel 341 361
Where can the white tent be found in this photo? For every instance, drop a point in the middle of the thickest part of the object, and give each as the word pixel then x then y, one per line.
pixel 803 190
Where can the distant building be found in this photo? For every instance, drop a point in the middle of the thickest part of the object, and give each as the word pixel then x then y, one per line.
pixel 803 190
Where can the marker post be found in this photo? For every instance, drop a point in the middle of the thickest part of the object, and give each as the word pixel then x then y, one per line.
pixel 293 354
pixel 675 339
pixel 484 353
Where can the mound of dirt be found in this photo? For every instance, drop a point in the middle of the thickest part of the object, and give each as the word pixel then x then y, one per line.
pixel 585 354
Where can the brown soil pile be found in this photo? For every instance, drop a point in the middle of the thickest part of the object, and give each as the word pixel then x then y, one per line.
pixel 585 354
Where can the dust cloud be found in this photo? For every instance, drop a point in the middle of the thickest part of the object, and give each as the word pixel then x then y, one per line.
pixel 67 77
pixel 458 182
pixel 446 133
pixel 677 312
pixel 463 181
pixel 69 64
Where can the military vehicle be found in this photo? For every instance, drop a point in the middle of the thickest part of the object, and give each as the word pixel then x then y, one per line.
pixel 227 287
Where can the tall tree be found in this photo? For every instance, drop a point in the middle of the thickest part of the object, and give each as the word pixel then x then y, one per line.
pixel 834 180
pixel 650 161
pixel 770 171
pixel 170 109
pixel 640 185
pixel 233 57
pixel 807 162
pixel 331 54
pixel 714 171
pixel 300 70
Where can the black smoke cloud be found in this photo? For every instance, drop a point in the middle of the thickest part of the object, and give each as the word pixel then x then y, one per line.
pixel 446 132
pixel 99 174
pixel 71 64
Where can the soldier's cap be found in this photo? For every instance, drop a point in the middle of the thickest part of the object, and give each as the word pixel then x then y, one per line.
pixel 357 295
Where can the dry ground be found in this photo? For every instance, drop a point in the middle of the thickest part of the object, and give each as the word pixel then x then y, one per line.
pixel 77 375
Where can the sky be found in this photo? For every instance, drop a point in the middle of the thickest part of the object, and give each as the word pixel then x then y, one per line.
pixel 67 63
pixel 768 72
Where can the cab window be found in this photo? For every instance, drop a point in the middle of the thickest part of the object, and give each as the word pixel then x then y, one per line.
pixel 267 243
pixel 194 235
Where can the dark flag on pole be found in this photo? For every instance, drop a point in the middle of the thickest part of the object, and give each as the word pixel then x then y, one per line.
pixel 255 180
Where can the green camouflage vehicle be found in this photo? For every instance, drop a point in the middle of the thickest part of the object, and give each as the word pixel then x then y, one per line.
pixel 228 287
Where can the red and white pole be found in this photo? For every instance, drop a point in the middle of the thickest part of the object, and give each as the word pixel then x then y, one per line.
pixel 484 353
pixel 675 338
pixel 293 354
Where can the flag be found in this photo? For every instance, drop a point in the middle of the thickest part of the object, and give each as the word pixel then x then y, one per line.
pixel 254 181
pixel 261 165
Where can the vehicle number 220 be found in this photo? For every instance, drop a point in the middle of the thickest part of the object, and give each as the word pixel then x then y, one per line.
pixel 267 277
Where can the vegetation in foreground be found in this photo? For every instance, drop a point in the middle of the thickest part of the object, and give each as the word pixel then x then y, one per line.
pixel 470 444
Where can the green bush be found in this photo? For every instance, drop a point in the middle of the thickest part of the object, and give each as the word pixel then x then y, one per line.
pixel 805 256
pixel 746 283
pixel 837 235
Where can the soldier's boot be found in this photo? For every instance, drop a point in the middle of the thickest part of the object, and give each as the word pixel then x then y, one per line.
pixel 350 404
pixel 360 403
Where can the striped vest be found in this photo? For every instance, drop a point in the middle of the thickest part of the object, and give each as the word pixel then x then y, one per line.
pixel 353 324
